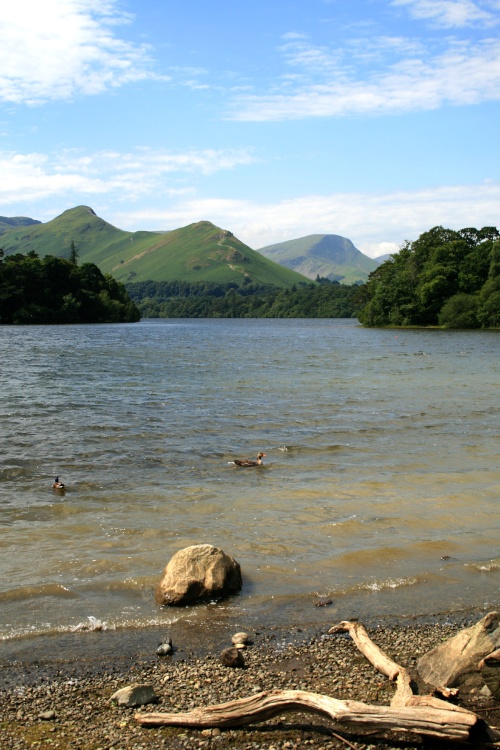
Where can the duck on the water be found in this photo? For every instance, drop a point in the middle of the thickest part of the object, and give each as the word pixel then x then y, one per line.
pixel 250 461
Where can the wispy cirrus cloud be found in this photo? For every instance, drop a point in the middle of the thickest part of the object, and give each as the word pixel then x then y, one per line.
pixel 126 176
pixel 406 78
pixel 451 13
pixel 58 49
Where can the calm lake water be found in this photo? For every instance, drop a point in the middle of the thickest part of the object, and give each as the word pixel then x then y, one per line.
pixel 380 490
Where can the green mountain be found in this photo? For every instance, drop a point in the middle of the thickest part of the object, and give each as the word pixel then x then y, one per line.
pixel 198 252
pixel 327 255
pixel 7 222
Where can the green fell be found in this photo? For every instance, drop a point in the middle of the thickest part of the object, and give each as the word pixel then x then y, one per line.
pixel 9 222
pixel 329 256
pixel 198 252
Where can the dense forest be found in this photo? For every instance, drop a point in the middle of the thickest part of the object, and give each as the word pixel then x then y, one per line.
pixel 178 299
pixel 58 290
pixel 444 278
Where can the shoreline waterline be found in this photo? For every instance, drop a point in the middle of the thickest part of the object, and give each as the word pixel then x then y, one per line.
pixel 27 658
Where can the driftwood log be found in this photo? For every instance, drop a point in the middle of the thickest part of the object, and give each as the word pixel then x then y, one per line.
pixel 422 715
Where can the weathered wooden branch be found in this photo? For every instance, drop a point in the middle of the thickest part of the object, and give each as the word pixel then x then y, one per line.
pixel 404 694
pixel 422 715
pixel 455 726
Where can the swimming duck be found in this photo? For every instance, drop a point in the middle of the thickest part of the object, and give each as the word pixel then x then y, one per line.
pixel 57 484
pixel 249 461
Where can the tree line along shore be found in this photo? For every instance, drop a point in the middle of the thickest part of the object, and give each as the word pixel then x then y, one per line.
pixel 445 278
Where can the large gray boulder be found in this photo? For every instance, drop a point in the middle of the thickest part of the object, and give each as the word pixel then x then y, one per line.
pixel 460 656
pixel 198 573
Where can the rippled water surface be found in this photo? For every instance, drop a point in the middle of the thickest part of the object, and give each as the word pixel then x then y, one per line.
pixel 380 490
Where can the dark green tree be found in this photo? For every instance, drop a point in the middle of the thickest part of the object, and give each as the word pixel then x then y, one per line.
pixel 73 253
pixel 442 278
pixel 55 290
pixel 460 311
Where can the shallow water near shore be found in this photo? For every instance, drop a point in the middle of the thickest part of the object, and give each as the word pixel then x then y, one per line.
pixel 379 491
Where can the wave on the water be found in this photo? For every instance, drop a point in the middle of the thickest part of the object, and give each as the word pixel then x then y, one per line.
pixel 93 624
pixel 486 566
pixel 29 592
pixel 389 583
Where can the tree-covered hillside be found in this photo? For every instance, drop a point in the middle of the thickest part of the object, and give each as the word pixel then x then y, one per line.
pixel 209 300
pixel 445 277
pixel 57 290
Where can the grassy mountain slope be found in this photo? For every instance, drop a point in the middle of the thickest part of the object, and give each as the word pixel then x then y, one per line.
pixel 203 252
pixel 9 222
pixel 198 252
pixel 328 255
pixel 95 239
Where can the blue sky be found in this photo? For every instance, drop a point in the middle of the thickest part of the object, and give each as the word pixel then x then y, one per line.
pixel 275 119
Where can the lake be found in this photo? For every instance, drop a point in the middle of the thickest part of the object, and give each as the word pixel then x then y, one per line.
pixel 379 491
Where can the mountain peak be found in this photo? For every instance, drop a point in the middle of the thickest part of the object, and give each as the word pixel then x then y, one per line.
pixel 326 255
pixel 79 210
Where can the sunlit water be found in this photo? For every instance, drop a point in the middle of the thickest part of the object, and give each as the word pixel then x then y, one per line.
pixel 380 490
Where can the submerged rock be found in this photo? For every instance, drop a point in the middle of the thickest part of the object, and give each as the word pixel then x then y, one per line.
pixel 198 573
pixel 165 648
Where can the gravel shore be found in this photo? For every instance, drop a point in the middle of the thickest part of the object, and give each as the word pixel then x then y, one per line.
pixel 66 704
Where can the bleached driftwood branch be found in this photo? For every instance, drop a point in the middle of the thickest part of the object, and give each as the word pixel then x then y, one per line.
pixel 422 715
pixel 404 695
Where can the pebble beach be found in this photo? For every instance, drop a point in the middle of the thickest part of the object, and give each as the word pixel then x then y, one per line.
pixel 56 701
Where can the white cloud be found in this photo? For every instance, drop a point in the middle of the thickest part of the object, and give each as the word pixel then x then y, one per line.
pixel 127 175
pixel 57 49
pixel 374 222
pixel 466 73
pixel 449 13
pixel 157 190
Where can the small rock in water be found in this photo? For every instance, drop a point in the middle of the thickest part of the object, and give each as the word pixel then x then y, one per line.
pixel 135 695
pixel 165 648
pixel 232 657
pixel 323 602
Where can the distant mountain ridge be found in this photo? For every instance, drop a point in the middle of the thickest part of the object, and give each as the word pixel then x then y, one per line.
pixel 326 255
pixel 198 252
pixel 8 222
